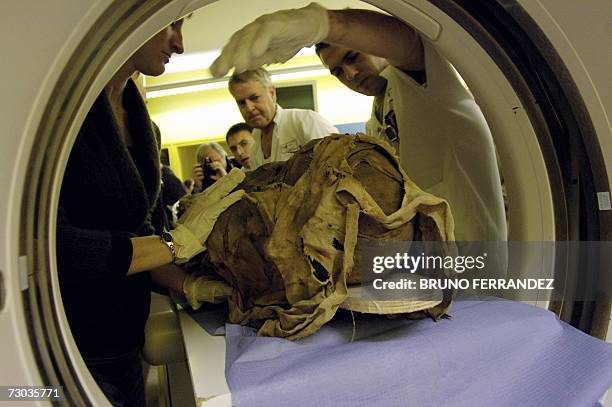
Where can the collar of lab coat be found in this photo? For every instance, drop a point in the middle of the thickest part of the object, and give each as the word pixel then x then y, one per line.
pixel 277 116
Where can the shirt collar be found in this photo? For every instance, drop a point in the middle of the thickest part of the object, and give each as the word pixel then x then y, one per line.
pixel 277 116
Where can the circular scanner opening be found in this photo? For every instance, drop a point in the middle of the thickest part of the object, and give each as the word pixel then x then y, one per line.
pixel 538 133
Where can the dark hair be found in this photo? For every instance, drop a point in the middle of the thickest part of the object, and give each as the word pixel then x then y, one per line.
pixel 319 46
pixel 237 128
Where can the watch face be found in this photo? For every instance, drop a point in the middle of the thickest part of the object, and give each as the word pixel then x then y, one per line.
pixel 167 237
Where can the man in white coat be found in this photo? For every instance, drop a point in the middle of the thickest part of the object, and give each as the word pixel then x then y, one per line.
pixel 278 132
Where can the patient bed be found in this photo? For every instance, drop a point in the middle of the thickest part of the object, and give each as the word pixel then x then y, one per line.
pixel 490 353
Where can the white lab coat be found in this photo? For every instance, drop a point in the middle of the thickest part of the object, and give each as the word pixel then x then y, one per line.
pixel 293 129
pixel 446 147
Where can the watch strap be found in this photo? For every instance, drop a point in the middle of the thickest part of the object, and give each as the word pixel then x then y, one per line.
pixel 168 240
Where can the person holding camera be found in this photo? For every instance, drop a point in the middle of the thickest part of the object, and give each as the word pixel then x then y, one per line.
pixel 212 164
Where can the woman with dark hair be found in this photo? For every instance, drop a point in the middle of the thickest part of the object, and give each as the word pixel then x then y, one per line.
pixel 110 226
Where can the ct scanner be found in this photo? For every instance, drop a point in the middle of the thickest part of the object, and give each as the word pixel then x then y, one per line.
pixel 540 69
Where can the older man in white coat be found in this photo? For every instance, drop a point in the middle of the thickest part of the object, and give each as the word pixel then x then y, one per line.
pixel 278 132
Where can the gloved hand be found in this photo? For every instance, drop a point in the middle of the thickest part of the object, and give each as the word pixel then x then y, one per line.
pixel 194 226
pixel 273 38
pixel 205 289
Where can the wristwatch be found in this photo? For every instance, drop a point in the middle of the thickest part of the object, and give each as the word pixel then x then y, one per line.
pixel 167 239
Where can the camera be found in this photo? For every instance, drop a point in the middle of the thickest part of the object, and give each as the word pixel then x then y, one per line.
pixel 207 167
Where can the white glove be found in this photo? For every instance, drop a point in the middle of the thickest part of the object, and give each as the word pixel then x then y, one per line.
pixel 273 38
pixel 194 226
pixel 205 289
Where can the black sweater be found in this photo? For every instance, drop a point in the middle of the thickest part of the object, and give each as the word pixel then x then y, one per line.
pixel 109 194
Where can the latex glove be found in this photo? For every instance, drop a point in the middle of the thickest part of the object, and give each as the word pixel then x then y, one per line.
pixel 194 226
pixel 273 38
pixel 205 289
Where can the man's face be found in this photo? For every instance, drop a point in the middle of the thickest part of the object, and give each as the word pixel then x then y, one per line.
pixel 257 103
pixel 357 71
pixel 240 144
pixel 152 57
